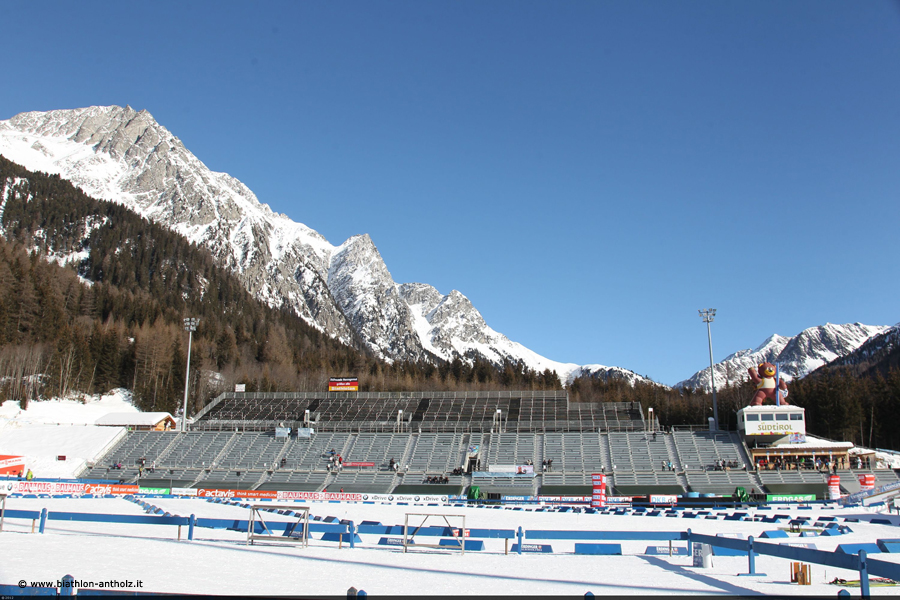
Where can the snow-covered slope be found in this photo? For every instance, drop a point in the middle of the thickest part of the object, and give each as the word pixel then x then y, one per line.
pixel 51 429
pixel 125 156
pixel 796 356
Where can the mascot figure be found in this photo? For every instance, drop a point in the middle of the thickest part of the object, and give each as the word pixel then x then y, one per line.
pixel 766 385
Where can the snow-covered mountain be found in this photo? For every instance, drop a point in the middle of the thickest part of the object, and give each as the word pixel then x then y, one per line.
pixel 880 352
pixel 125 156
pixel 796 356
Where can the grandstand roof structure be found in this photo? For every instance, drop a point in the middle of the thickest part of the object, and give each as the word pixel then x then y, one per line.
pixel 525 411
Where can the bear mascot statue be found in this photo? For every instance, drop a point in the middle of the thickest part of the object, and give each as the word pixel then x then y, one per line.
pixel 766 386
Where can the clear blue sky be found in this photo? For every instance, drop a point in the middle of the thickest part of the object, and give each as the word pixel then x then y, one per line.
pixel 589 174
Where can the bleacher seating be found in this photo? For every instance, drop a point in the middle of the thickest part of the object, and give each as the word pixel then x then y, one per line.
pixel 536 411
pixel 702 450
pixel 233 445
pixel 720 482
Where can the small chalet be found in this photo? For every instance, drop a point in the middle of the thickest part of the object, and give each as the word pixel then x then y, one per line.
pixel 139 421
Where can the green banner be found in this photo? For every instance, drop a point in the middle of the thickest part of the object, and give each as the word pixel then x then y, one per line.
pixel 144 490
pixel 790 497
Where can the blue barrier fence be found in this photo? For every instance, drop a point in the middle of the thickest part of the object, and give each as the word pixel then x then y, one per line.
pixel 840 559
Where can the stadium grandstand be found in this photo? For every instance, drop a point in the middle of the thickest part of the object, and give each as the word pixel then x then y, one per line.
pixel 505 443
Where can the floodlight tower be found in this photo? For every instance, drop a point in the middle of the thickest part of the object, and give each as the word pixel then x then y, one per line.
pixel 190 325
pixel 708 314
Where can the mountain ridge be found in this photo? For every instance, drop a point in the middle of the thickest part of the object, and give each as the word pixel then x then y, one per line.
pixel 124 155
pixel 797 356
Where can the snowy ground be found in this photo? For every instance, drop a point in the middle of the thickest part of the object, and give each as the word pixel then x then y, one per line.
pixel 220 562
pixel 51 429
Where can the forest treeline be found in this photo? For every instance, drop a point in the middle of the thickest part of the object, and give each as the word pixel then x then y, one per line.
pixel 840 404
pixel 106 311
pixel 92 297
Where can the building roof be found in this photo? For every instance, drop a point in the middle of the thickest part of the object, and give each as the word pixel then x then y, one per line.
pixel 134 419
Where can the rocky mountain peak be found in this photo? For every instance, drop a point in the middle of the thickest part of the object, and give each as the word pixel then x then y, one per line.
pixel 796 356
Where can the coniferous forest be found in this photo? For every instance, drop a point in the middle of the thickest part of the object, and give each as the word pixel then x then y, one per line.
pixel 92 297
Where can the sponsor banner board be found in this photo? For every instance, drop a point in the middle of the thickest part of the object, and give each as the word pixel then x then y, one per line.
pixel 663 499
pixel 154 490
pixel 620 500
pixel 834 487
pixel 558 499
pixel 255 494
pixel 48 487
pixel 358 464
pixel 545 548
pixel 514 469
pixel 103 489
pixel 790 497
pixel 852 498
pixel 517 498
pixel 184 491
pixel 403 498
pixel 786 428
pixel 11 465
pixel 282 432
pixel 343 384
pixel 501 474
pixel 305 432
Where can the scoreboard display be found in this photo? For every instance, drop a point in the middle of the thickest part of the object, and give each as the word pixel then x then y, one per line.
pixel 343 384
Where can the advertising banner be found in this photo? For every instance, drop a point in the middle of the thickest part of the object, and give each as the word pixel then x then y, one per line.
pixel 205 493
pixel 11 465
pixel 511 470
pixel 618 500
pixel 403 498
pixel 47 487
pixel 343 384
pixel 103 489
pixel 305 432
pixel 834 487
pixel 282 432
pixel 598 495
pixel 565 499
pixel 852 498
pixel 790 497
pixel 358 464
pixel 146 490
pixel 663 499
pixel 184 491
pixel 866 482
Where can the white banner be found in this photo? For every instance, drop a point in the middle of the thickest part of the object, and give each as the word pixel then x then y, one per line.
pixel 515 469
pixel 661 499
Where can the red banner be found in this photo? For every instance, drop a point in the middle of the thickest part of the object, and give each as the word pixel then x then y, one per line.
pixel 320 496
pixel 48 487
pixel 12 465
pixel 103 489
pixel 204 493
pixel 343 384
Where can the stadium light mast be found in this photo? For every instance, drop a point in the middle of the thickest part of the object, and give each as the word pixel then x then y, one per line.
pixel 190 325
pixel 708 315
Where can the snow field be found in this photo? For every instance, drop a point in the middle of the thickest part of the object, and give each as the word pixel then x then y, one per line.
pixel 220 562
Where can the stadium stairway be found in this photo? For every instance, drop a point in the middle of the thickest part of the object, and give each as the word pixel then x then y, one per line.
pixel 673 456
